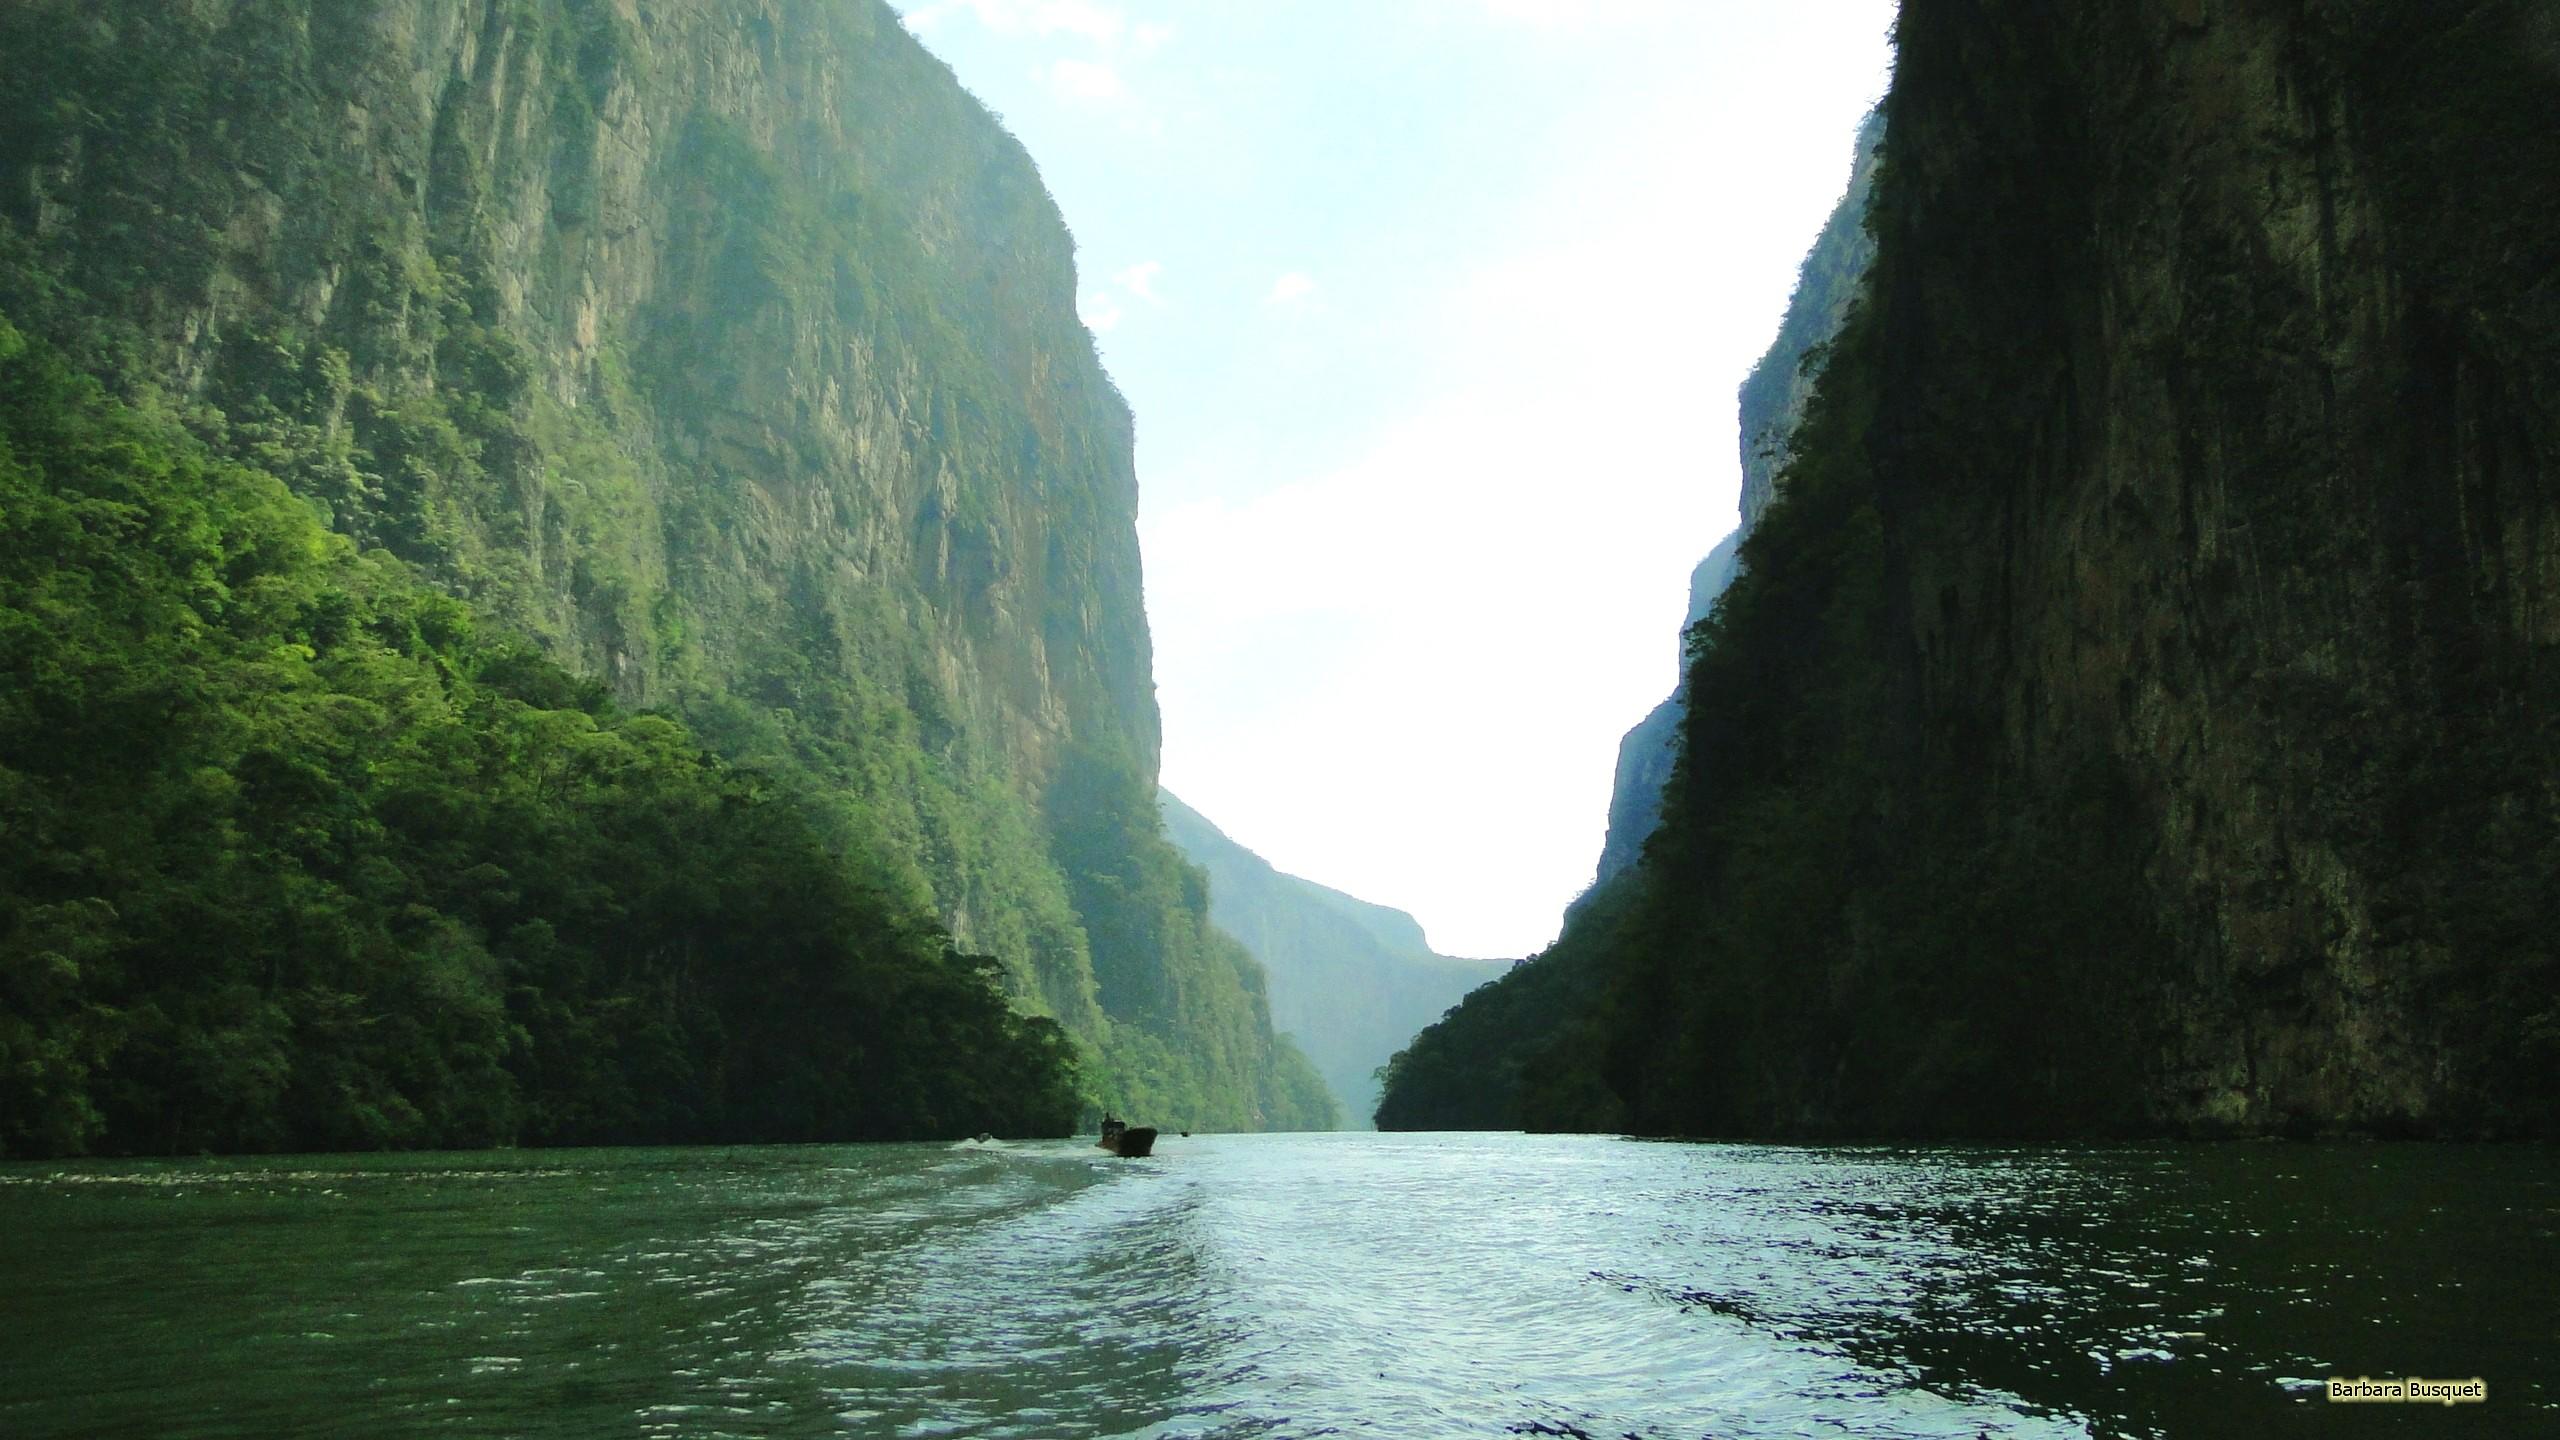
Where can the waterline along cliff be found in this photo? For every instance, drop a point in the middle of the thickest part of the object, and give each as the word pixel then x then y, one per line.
pixel 2135 709
pixel 725 353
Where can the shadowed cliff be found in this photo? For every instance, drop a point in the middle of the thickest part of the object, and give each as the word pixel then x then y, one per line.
pixel 2135 709
pixel 1772 404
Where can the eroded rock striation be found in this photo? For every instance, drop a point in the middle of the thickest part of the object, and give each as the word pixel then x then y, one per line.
pixel 2136 708
pixel 1772 404
pixel 729 349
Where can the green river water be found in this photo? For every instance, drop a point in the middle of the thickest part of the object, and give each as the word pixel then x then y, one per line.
pixel 1283 1286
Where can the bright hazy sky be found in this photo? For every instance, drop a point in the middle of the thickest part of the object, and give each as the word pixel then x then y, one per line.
pixel 1431 313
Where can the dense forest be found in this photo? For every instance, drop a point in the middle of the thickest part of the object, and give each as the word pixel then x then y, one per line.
pixel 295 854
pixel 726 355
pixel 2135 711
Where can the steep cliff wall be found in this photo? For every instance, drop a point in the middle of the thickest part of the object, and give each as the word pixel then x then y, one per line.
pixel 1351 982
pixel 1775 393
pixel 1646 753
pixel 1772 403
pixel 2136 709
pixel 730 349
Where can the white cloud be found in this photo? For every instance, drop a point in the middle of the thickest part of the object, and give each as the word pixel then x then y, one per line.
pixel 1083 48
pixel 1098 310
pixel 1140 280
pixel 1292 287
pixel 1085 80
pixel 1565 14
pixel 1102 24
pixel 1099 23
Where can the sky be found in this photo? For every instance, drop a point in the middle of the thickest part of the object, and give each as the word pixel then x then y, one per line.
pixel 1431 314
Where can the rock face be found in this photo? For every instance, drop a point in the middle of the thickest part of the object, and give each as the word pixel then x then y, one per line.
pixel 729 348
pixel 2136 711
pixel 1773 401
pixel 1776 391
pixel 1351 982
pixel 1646 753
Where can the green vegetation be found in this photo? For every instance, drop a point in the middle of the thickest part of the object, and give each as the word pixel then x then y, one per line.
pixel 1772 404
pixel 2132 713
pixel 1801 960
pixel 1191 1007
pixel 1476 1068
pixel 295 855
pixel 745 382
pixel 1773 398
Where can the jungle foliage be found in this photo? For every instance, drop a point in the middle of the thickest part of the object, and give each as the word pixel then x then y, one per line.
pixel 2132 715
pixel 621 335
pixel 1476 1067
pixel 295 853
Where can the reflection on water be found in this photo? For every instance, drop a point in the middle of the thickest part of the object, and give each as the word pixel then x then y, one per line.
pixel 1353 1285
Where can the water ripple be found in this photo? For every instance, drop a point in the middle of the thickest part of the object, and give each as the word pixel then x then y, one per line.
pixel 1277 1286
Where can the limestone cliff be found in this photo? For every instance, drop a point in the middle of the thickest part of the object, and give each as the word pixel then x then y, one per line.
pixel 1646 753
pixel 1775 393
pixel 2135 711
pixel 727 346
pixel 1772 403
pixel 1351 982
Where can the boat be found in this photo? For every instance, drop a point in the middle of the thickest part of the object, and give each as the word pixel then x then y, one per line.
pixel 1127 1141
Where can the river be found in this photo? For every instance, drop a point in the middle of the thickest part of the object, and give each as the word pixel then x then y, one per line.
pixel 1282 1286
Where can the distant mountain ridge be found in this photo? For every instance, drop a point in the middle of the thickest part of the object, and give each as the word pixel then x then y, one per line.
pixel 1350 980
